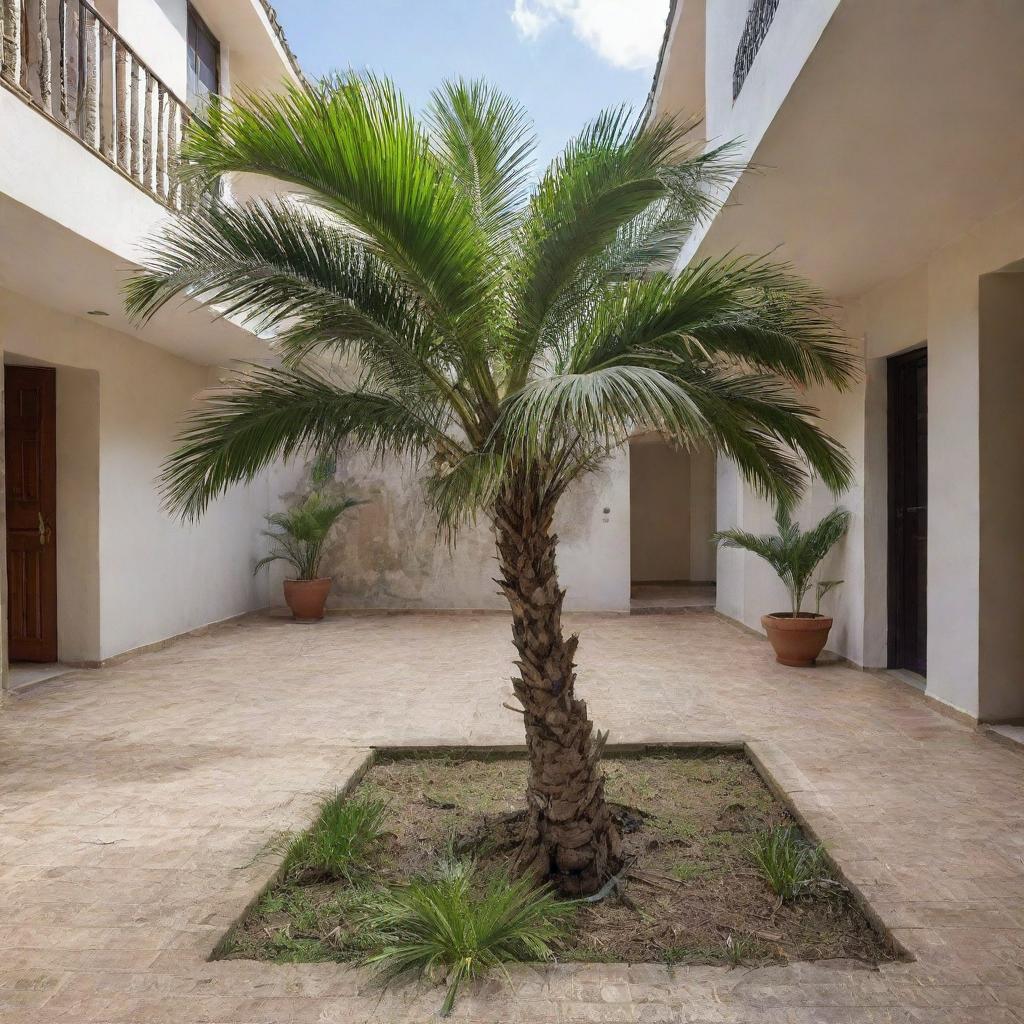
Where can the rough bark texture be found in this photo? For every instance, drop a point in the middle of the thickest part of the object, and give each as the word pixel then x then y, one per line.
pixel 570 836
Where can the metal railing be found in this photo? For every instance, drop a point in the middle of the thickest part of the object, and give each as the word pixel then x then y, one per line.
pixel 759 20
pixel 74 67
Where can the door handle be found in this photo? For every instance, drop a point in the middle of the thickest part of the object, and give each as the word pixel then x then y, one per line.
pixel 44 531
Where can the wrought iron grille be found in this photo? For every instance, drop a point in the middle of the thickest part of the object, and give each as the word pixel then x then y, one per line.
pixel 759 20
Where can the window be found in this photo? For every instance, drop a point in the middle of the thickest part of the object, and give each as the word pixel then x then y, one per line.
pixel 203 61
pixel 759 20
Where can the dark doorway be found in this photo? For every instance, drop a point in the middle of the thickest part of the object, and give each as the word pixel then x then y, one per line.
pixel 908 511
pixel 30 417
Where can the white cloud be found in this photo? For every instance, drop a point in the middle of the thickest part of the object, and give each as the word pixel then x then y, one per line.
pixel 626 33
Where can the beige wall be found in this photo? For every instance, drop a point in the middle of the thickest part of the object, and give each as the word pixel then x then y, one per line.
pixel 129 573
pixel 672 512
pixel 1001 614
pixel 659 510
pixel 702 515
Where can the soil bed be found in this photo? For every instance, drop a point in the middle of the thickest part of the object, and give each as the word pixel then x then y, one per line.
pixel 693 892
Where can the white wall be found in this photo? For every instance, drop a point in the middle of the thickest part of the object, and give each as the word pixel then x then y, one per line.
pixel 156 576
pixel 78 514
pixel 156 30
pixel 702 515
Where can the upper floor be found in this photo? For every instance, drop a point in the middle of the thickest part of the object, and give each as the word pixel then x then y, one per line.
pixel 124 76
pixel 874 133
pixel 94 98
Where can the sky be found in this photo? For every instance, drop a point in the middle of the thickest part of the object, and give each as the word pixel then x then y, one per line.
pixel 565 60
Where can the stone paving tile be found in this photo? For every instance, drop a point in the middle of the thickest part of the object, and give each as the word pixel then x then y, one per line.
pixel 136 803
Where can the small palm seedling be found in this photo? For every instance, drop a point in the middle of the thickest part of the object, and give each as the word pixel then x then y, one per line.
pixel 299 534
pixel 346 836
pixel 459 925
pixel 788 863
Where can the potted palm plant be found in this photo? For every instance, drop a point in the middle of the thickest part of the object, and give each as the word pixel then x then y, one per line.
pixel 298 536
pixel 798 637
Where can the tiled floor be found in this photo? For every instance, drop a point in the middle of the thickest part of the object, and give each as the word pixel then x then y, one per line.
pixel 646 598
pixel 135 800
pixel 26 674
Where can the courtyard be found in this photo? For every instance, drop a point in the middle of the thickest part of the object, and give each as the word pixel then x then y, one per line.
pixel 138 800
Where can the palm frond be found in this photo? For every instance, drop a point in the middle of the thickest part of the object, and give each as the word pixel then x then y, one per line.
pixel 265 413
pixel 495 333
pixel 738 309
pixel 609 175
pixel 486 140
pixel 353 146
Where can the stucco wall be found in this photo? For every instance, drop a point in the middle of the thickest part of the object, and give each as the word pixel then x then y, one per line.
pixel 387 553
pixel 119 404
pixel 702 515
pixel 937 304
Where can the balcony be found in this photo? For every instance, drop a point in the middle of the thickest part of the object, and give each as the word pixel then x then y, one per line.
pixel 71 65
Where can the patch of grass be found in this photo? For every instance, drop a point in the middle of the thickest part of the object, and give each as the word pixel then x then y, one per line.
pixel 689 870
pixel 459 925
pixel 788 863
pixel 722 840
pixel 677 828
pixel 345 838
pixel 286 950
pixel 735 950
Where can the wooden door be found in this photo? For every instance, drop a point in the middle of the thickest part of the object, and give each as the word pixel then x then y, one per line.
pixel 908 511
pixel 31 482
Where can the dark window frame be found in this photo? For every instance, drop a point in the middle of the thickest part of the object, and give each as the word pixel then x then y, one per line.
pixel 195 22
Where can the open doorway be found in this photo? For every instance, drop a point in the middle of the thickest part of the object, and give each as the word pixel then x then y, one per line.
pixel 672 518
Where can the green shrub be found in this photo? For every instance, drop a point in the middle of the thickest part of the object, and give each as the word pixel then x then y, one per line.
pixel 789 864
pixel 346 836
pixel 458 925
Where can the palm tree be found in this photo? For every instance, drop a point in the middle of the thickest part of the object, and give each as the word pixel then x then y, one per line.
pixel 431 299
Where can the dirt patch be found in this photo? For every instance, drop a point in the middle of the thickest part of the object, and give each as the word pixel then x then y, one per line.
pixel 692 893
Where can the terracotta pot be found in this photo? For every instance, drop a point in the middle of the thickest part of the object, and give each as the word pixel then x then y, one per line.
pixel 797 641
pixel 307 598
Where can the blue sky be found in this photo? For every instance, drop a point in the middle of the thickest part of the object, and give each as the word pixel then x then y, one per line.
pixel 564 59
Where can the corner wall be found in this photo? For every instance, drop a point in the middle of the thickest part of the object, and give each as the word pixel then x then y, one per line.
pixel 974 427
pixel 131 574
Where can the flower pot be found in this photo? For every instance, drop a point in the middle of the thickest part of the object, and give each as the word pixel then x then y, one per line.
pixel 797 640
pixel 307 598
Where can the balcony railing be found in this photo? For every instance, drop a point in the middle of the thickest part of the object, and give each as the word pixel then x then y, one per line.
pixel 74 67
pixel 759 19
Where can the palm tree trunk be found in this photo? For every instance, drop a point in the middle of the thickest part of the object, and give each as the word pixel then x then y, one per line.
pixel 570 836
